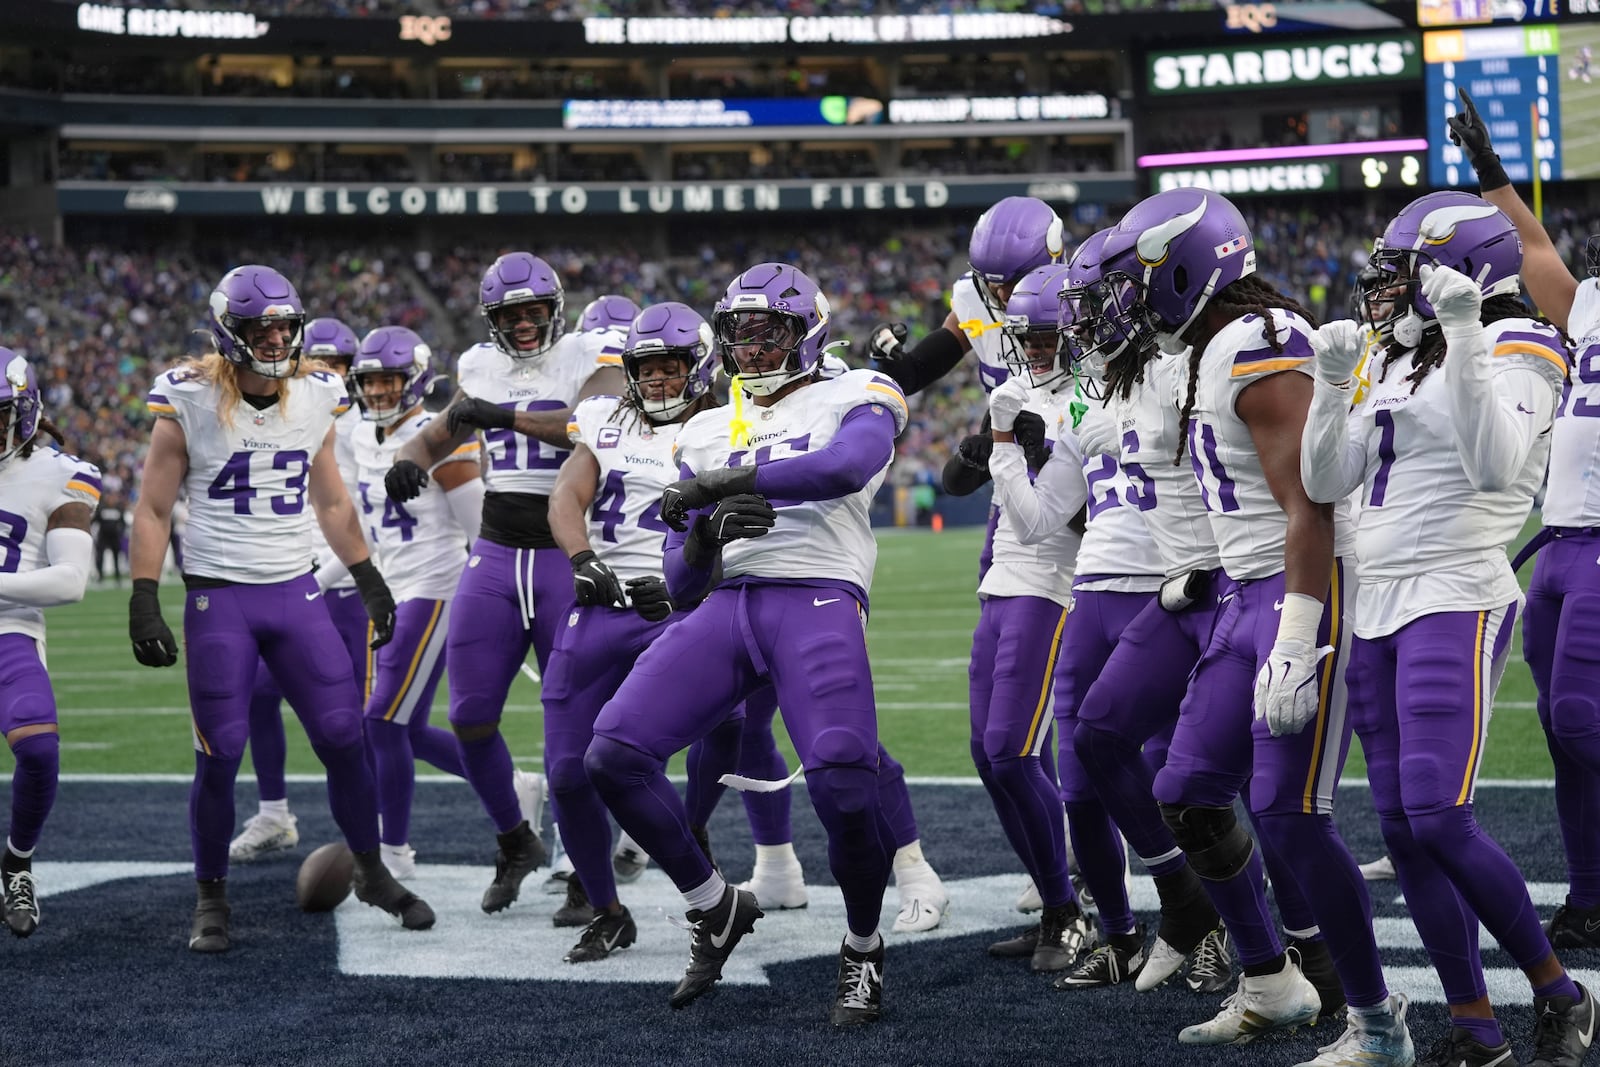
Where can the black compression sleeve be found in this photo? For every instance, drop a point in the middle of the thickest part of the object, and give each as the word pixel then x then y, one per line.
pixel 926 362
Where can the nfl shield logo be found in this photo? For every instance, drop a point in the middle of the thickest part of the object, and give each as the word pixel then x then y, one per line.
pixel 572 620
pixel 201 603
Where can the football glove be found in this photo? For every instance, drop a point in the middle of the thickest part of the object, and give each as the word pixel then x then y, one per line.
pixel 153 643
pixel 469 412
pixel 1005 403
pixel 1337 348
pixel 650 597
pixel 1468 130
pixel 405 481
pixel 595 583
pixel 691 494
pixel 378 601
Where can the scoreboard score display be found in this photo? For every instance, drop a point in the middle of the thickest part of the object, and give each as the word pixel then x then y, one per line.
pixel 1514 76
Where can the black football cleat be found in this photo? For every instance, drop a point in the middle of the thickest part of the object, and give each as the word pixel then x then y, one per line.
pixel 859 997
pixel 1211 966
pixel 521 853
pixel 716 932
pixel 608 932
pixel 1572 927
pixel 1017 948
pixel 209 930
pixel 1113 963
pixel 19 896
pixel 1458 1048
pixel 1065 933
pixel 373 884
pixel 576 911
pixel 1563 1030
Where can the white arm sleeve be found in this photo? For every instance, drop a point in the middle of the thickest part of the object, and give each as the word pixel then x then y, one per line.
pixel 466 504
pixel 70 553
pixel 1332 466
pixel 1036 511
pixel 1499 411
pixel 330 570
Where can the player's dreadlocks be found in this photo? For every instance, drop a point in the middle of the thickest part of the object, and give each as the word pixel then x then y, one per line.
pixel 627 406
pixel 1431 352
pixel 45 427
pixel 1126 371
pixel 1250 295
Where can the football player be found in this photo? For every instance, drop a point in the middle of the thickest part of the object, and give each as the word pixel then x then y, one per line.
pixel 788 607
pixel 1559 639
pixel 605 514
pixel 609 317
pixel 273 827
pixel 519 389
pixel 1129 708
pixel 423 545
pixel 1180 268
pixel 1026 596
pixel 1448 461
pixel 248 430
pixel 47 499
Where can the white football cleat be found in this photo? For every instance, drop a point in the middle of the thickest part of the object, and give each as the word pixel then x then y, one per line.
pixel 1030 900
pixel 923 900
pixel 401 860
pixel 530 796
pixel 1380 1040
pixel 628 860
pixel 263 833
pixel 778 886
pixel 1282 1001
pixel 1379 870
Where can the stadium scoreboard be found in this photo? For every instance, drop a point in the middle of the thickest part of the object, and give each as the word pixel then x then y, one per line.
pixel 1513 74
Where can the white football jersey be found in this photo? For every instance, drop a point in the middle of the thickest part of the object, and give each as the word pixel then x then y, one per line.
pixel 983 329
pixel 30 492
pixel 636 464
pixel 1427 540
pixel 830 539
pixel 1043 569
pixel 1117 554
pixel 1148 418
pixel 1573 498
pixel 419 544
pixel 608 341
pixel 519 463
pixel 1249 526
pixel 344 428
pixel 250 515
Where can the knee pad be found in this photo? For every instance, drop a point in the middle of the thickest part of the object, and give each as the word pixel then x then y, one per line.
pixel 38 755
pixel 613 766
pixel 1443 830
pixel 1217 846
pixel 470 733
pixel 848 791
pixel 842 746
pixel 567 774
pixel 336 729
pixel 1575 716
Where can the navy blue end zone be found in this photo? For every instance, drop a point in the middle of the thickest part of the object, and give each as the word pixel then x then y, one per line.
pixel 108 978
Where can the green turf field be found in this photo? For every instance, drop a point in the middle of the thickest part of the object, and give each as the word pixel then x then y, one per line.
pixel 119 717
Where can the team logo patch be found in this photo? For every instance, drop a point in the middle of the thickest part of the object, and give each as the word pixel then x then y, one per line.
pixel 201 603
pixel 572 620
pixel 608 437
pixel 1238 244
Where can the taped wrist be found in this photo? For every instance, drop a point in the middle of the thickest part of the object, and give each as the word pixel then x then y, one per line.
pixel 1299 619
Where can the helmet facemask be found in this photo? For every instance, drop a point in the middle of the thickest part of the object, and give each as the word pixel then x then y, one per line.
pixel 1033 351
pixel 382 395
pixel 523 325
pixel 270 343
pixel 660 380
pixel 761 348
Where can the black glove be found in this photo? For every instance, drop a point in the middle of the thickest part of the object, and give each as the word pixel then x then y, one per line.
pixel 405 481
pixel 153 643
pixel 736 518
pixel 680 498
pixel 968 467
pixel 1028 429
pixel 888 343
pixel 650 598
pixel 375 597
pixel 1468 130
pixel 469 412
pixel 595 583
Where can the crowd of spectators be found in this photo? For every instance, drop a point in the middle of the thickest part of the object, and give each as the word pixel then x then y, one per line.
pixel 99 320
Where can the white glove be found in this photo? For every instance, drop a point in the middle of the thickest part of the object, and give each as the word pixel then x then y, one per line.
pixel 1337 346
pixel 1456 299
pixel 1005 402
pixel 1097 434
pixel 1288 688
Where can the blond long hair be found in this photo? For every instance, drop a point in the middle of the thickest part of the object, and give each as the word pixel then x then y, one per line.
pixel 213 368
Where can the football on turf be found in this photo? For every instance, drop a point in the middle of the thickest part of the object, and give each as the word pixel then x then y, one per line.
pixel 324 879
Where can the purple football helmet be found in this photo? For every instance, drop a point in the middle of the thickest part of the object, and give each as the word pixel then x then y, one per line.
pixel 516 279
pixel 676 331
pixel 332 342
pixel 247 299
pixel 1448 229
pixel 605 312
pixel 1090 341
pixel 385 351
pixel 1032 326
pixel 771 308
pixel 20 405
pixel 1014 236
pixel 1165 260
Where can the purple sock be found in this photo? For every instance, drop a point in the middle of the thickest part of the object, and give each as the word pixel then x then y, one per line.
pixel 269 748
pixel 1485 1032
pixel 894 800
pixel 1170 865
pixel 709 759
pixel 1101 861
pixel 1561 987
pixel 437 748
pixel 33 786
pixel 486 763
pixel 211 814
pixel 395 777
pixel 351 795
pixel 634 786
